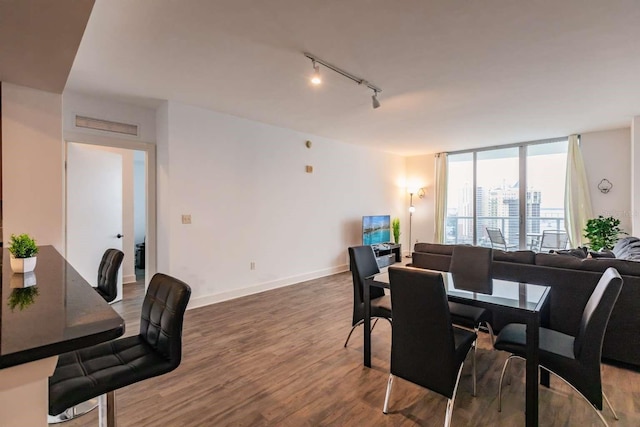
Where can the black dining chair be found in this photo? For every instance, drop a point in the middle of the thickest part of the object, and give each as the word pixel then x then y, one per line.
pixel 471 271
pixel 426 349
pixel 363 264
pixel 103 368
pixel 108 274
pixel 575 360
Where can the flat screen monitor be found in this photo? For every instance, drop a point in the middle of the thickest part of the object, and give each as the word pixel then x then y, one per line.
pixel 376 229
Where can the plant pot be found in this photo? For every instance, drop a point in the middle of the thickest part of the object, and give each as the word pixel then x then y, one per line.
pixel 22 265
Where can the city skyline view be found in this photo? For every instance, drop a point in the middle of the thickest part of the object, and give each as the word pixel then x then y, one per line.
pixel 497 193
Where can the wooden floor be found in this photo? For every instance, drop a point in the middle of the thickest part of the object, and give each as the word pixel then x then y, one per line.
pixel 277 359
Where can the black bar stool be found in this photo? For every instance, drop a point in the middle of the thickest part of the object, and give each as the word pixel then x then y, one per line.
pixel 94 371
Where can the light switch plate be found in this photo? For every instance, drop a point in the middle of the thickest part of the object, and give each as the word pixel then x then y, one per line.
pixel 186 219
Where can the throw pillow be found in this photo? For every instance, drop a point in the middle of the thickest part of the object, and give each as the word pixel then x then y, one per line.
pixel 602 254
pixel 580 252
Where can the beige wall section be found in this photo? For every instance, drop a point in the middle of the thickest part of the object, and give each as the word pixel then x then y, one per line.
pixel 606 154
pixel 421 173
pixel 32 160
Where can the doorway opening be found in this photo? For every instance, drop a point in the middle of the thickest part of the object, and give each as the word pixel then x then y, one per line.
pixel 110 203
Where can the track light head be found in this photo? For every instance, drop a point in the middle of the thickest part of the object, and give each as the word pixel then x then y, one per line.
pixel 374 99
pixel 315 78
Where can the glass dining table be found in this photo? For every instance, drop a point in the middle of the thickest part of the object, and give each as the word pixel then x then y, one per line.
pixel 524 301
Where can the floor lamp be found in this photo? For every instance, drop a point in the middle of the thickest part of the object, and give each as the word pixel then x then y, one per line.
pixel 412 209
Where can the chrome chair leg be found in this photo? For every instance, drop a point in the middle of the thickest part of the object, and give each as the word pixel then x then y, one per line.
pixel 73 412
pixel 385 408
pixel 375 322
pixel 360 322
pixel 491 334
pixel 475 347
pixel 107 409
pixel 351 331
pixel 598 412
pixel 504 369
pixel 606 399
pixel 450 402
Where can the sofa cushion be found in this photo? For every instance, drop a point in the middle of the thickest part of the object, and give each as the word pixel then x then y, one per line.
pixel 580 252
pixel 521 257
pixel 602 254
pixel 560 261
pixel 434 248
pixel 431 261
pixel 624 267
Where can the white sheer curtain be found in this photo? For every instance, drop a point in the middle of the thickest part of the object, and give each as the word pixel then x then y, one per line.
pixel 577 201
pixel 441 196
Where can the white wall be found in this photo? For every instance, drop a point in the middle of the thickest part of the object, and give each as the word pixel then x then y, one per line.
pixel 164 186
pixel 96 107
pixel 607 155
pixel 421 173
pixel 245 186
pixel 139 196
pixel 32 164
pixel 100 108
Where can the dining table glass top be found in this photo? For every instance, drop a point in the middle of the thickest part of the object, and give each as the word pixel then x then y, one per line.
pixel 505 293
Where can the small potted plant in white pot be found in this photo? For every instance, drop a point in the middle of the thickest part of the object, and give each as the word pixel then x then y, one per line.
pixel 23 251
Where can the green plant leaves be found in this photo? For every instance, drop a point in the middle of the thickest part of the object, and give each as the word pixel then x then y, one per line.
pixel 602 232
pixel 395 225
pixel 22 246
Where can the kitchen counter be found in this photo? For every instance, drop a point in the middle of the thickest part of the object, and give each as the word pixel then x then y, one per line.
pixel 60 313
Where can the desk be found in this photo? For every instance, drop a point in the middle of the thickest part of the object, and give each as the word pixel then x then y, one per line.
pixel 521 299
pixel 62 314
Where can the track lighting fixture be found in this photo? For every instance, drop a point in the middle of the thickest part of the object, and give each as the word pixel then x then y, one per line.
pixel 316 80
pixel 374 99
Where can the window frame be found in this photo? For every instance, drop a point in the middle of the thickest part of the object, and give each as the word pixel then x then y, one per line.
pixel 522 174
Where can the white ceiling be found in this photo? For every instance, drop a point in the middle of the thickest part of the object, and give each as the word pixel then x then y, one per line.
pixel 455 74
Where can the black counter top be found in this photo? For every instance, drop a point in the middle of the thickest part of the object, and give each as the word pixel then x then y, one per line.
pixel 61 313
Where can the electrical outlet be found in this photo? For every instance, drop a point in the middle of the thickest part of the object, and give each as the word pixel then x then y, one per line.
pixel 252 266
pixel 186 219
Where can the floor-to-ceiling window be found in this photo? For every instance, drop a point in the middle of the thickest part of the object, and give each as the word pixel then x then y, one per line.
pixel 507 197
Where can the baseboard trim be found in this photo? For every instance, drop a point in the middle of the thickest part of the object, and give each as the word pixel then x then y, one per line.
pixel 205 300
pixel 128 279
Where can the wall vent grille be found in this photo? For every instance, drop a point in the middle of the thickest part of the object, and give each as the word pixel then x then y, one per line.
pixel 106 125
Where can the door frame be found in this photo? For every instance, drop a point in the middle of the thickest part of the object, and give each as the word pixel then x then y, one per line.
pixel 150 186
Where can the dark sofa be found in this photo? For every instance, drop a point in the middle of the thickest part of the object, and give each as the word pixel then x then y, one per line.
pixel 572 281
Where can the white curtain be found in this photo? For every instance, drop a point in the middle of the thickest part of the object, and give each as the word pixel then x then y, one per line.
pixel 441 196
pixel 577 201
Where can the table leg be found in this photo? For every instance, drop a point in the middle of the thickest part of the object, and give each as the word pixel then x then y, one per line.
pixel 533 338
pixel 367 324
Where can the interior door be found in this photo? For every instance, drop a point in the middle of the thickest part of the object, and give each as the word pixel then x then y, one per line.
pixel 94 208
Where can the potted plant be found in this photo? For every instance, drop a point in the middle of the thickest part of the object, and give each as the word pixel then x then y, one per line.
pixel 395 225
pixel 602 232
pixel 23 251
